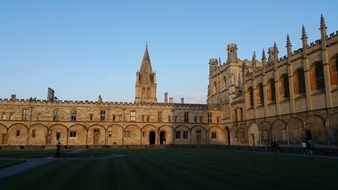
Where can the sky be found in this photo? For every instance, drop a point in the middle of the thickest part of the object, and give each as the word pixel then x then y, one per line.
pixel 83 48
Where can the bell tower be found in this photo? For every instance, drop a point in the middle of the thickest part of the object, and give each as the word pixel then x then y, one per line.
pixel 145 87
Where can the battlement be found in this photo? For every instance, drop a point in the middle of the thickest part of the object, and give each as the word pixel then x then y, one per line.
pixel 213 61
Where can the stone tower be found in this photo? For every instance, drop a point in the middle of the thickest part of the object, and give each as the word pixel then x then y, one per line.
pixel 232 53
pixel 145 87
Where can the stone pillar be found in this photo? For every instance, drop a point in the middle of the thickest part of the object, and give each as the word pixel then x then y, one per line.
pixel 277 95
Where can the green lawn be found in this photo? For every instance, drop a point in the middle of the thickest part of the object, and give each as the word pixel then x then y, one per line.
pixel 181 169
pixel 6 163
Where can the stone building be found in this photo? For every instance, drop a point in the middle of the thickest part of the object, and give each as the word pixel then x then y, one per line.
pixel 250 102
pixel 288 99
pixel 32 122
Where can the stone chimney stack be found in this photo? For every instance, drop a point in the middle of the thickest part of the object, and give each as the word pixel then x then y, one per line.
pixel 171 100
pixel 50 96
pixel 166 97
pixel 182 100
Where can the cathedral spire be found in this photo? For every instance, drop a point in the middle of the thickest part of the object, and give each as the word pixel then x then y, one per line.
pixel 145 86
pixel 146 64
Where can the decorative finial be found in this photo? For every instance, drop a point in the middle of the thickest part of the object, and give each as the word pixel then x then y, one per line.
pixel 288 42
pixel 322 22
pixel 304 36
pixel 263 55
pixel 254 56
pixel 146 44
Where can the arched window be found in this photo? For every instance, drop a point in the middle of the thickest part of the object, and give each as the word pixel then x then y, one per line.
pixel 260 94
pixel 143 92
pixel 334 71
pixel 317 76
pixel 215 87
pixel 251 99
pixel 284 86
pixel 225 82
pixel 148 92
pixel 299 82
pixel 271 91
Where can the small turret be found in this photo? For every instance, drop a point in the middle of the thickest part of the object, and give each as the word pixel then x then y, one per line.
pixel 50 96
pixel 232 53
pixel 275 53
pixel 213 64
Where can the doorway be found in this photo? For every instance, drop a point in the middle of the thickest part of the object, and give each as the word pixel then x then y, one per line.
pixel 162 137
pixel 228 135
pixel 96 136
pixel 152 137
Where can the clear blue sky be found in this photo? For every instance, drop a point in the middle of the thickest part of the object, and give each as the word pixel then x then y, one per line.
pixel 85 48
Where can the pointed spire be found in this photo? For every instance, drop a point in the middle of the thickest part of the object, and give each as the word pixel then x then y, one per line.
pixel 146 64
pixel 304 36
pixel 288 42
pixel 322 22
pixel 263 55
pixel 254 57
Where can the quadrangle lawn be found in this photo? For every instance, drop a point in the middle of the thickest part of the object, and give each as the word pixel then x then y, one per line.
pixel 181 169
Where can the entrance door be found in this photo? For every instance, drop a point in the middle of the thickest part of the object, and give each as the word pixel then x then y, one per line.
pixel 252 140
pixel 228 135
pixel 96 136
pixel 152 137
pixel 4 138
pixel 162 137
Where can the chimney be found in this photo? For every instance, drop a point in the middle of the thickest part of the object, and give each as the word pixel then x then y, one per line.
pixel 166 97
pixel 13 97
pixel 50 96
pixel 171 100
pixel 182 100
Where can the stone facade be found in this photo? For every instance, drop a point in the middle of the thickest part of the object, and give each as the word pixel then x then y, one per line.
pixel 251 102
pixel 288 99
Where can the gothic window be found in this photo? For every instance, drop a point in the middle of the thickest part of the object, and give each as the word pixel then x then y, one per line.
pixel 299 82
pixel 110 133
pixel 209 117
pixel 317 76
pixel 159 116
pixel 214 135
pixel 3 115
pixel 33 133
pixel 169 118
pixel 271 91
pixel 251 99
pixel 142 118
pixel 284 87
pixel 178 134
pixel 334 71
pixel 195 119
pixel 260 94
pixel 102 115
pixel 73 115
pixel 185 134
pixel 72 133
pixel 148 118
pixel 215 87
pixel 113 117
pixel 235 115
pixel 218 119
pixel 186 117
pixel 240 110
pixel 127 134
pixel 24 114
pixel 17 133
pixel 143 92
pixel 132 116
pixel 148 92
pixel 225 82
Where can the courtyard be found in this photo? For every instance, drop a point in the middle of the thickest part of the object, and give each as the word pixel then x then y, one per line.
pixel 170 168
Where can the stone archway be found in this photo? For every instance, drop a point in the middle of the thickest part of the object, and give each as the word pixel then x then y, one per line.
pixel 152 137
pixel 333 129
pixel 253 135
pixel 295 131
pixel 318 130
pixel 162 137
